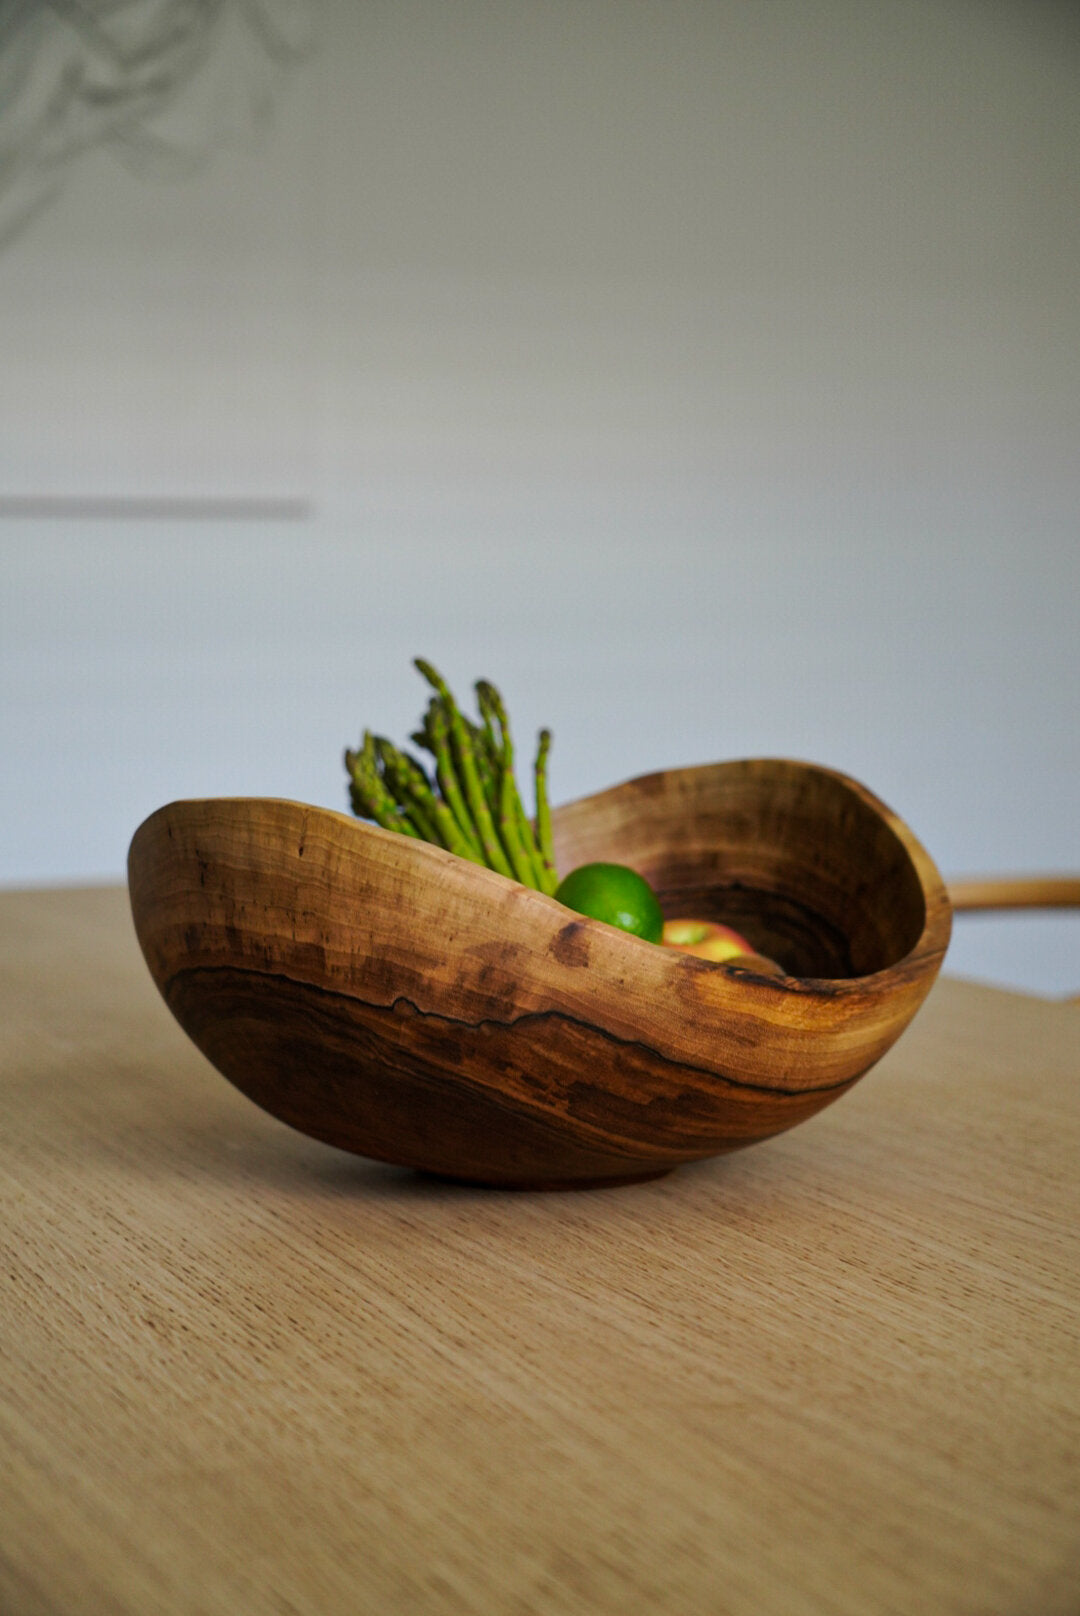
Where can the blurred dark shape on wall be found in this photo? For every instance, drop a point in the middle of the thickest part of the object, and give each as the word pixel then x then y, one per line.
pixel 160 85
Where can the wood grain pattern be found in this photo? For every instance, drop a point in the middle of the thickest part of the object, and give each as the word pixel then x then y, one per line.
pixel 389 998
pixel 241 1372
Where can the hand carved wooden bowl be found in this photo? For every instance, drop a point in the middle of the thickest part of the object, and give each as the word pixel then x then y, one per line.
pixel 396 1001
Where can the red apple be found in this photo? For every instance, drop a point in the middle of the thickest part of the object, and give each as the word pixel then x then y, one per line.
pixel 705 938
pixel 708 940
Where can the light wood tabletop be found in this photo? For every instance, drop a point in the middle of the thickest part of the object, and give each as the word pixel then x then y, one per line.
pixel 245 1373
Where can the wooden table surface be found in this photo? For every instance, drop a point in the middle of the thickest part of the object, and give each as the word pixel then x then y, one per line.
pixel 241 1372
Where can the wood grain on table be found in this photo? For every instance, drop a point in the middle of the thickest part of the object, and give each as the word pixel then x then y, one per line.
pixel 241 1372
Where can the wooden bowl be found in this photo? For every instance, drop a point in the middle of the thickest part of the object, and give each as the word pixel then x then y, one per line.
pixel 389 998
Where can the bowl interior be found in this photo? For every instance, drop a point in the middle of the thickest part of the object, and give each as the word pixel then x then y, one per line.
pixel 811 868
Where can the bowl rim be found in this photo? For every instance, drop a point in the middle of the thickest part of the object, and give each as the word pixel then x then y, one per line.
pixel 930 945
pixel 936 930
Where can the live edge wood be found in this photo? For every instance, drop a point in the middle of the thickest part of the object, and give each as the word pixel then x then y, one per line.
pixel 389 998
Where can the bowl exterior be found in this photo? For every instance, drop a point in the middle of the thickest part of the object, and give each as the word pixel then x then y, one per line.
pixel 386 997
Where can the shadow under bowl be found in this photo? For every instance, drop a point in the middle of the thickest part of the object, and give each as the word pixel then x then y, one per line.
pixel 386 997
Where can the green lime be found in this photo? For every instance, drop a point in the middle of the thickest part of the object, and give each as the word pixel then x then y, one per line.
pixel 614 893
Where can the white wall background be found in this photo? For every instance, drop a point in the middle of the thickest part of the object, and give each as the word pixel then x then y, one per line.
pixel 708 375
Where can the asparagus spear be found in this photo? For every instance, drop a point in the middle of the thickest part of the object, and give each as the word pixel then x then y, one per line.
pixel 438 731
pixel 465 758
pixel 487 763
pixel 543 814
pixel 517 840
pixel 510 814
pixel 411 786
pixel 370 796
pixel 473 807
pixel 399 781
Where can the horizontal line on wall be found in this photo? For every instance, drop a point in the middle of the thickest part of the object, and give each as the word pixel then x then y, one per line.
pixel 179 508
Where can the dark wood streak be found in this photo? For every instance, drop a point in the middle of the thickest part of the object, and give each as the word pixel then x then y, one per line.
pixel 363 1076
pixel 522 1026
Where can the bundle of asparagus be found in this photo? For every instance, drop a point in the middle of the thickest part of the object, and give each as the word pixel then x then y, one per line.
pixel 469 802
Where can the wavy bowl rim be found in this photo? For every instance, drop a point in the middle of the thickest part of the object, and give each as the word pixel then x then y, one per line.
pixel 931 944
